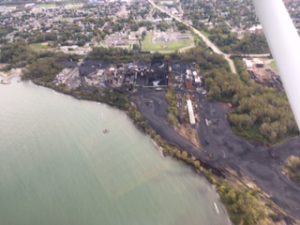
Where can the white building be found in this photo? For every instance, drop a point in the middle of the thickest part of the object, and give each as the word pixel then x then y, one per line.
pixel 249 64
pixel 191 112
pixel 256 29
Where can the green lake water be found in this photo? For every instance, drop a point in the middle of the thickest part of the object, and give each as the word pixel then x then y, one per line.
pixel 57 167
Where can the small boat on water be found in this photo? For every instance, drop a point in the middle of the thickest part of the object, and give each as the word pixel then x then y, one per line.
pixel 105 131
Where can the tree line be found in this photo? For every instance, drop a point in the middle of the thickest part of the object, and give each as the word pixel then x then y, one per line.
pixel 229 42
pixel 259 113
pixel 37 65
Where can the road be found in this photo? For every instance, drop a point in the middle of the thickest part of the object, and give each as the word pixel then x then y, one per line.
pixel 265 55
pixel 184 49
pixel 205 39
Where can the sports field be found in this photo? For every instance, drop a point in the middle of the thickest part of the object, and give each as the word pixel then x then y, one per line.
pixel 148 44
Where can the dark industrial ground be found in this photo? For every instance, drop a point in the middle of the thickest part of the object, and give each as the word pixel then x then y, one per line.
pixel 223 149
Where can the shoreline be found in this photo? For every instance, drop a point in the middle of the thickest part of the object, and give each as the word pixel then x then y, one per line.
pixel 142 125
pixel 217 176
pixel 6 78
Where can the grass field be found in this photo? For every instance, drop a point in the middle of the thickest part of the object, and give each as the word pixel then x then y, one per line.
pixel 46 5
pixel 148 45
pixel 274 66
pixel 39 47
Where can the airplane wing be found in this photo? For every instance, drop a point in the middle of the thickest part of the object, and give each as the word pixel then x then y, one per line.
pixel 284 43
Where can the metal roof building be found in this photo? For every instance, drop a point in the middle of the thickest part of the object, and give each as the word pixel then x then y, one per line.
pixel 191 112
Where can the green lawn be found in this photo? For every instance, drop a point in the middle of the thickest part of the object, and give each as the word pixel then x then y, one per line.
pixel 148 45
pixel 46 5
pixel 39 47
pixel 252 134
pixel 274 66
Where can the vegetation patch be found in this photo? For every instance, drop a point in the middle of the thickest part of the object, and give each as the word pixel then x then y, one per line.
pixel 5 30
pixel 45 68
pixel 172 106
pixel 292 168
pixel 244 205
pixel 16 54
pixel 39 46
pixel 116 55
pixel 229 41
pixel 204 58
pixel 251 133
pixel 274 66
pixel 39 65
pixel 46 5
pixel 260 113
